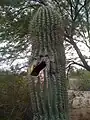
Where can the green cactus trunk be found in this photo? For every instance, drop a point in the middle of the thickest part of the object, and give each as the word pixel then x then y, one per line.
pixel 49 101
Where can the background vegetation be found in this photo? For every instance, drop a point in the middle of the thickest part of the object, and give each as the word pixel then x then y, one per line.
pixel 80 79
pixel 14 97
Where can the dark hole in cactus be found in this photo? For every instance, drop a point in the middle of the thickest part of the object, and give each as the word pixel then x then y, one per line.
pixel 38 68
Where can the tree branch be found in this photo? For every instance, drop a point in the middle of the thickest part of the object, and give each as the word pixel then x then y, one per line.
pixel 73 62
pixel 85 65
pixel 85 2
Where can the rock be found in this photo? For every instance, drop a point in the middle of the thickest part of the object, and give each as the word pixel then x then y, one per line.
pixel 76 102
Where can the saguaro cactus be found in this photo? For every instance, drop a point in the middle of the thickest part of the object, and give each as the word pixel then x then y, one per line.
pixel 49 101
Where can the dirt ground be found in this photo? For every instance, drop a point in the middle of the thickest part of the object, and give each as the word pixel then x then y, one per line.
pixel 80 114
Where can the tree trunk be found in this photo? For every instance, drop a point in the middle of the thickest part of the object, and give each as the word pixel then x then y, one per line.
pixel 48 97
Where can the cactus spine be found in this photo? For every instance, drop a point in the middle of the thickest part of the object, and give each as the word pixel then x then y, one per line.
pixel 50 101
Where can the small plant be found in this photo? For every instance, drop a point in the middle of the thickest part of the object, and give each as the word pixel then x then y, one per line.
pixel 82 81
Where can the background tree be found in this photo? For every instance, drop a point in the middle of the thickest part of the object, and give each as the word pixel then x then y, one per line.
pixel 17 15
pixel 75 14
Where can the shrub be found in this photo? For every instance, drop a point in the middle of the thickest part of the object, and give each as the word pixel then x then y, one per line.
pixel 81 80
pixel 14 96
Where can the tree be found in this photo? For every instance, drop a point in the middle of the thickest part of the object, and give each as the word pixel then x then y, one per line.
pixel 75 14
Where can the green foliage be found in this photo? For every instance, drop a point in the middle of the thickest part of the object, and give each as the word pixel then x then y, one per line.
pixel 14 24
pixel 10 2
pixel 82 79
pixel 14 96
